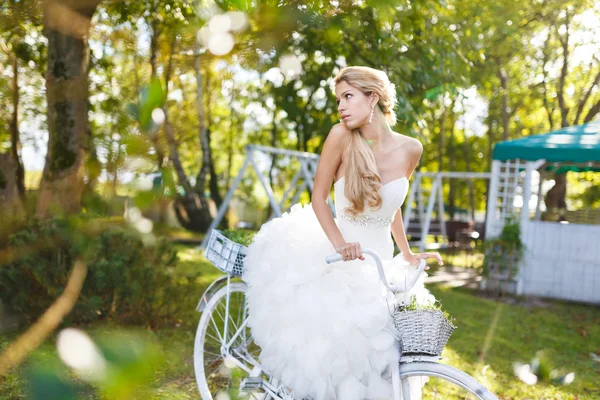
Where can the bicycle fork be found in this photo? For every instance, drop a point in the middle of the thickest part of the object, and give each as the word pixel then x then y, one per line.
pixel 398 384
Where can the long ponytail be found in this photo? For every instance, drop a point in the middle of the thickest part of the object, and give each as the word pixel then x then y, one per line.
pixel 362 182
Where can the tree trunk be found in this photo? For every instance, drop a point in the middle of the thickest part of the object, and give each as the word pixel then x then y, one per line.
pixel 67 24
pixel 153 46
pixel 192 209
pixel 12 209
pixel 269 209
pixel 185 205
pixel 452 164
pixel 15 141
pixel 233 127
pixel 505 111
pixel 273 144
pixel 157 143
pixel 546 52
pixel 560 93
pixel 202 128
pixel 441 139
pixel 213 183
pixel 491 136
pixel 555 198
pixel 467 151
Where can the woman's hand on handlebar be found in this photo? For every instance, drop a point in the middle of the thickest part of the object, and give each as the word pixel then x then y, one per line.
pixel 413 258
pixel 350 251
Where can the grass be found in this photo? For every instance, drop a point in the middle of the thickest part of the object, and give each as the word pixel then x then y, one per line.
pixel 491 336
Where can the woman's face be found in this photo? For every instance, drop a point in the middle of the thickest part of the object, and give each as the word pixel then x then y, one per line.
pixel 353 105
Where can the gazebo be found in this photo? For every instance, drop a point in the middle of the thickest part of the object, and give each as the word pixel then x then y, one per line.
pixel 561 259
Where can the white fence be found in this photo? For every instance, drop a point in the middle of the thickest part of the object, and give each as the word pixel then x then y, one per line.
pixel 561 261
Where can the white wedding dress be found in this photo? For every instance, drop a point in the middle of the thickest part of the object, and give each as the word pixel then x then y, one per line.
pixel 325 330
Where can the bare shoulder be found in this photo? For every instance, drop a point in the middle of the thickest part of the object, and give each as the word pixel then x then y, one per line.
pixel 336 139
pixel 339 133
pixel 336 142
pixel 410 145
pixel 411 149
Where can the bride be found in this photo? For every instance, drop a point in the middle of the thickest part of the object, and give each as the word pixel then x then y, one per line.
pixel 325 331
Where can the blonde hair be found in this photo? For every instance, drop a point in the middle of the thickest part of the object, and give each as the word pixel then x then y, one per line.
pixel 362 183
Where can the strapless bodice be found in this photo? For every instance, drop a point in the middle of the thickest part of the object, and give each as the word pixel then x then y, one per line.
pixel 371 228
pixel 393 194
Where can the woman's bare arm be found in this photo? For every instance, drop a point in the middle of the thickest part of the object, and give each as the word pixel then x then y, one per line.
pixel 414 154
pixel 331 158
pixel 414 151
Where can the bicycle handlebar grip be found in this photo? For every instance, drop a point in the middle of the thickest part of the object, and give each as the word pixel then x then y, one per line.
pixel 333 258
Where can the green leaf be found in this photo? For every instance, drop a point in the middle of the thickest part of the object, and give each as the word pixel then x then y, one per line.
pixel 47 383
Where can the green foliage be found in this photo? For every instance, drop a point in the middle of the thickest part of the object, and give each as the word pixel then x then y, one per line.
pixel 48 380
pixel 124 367
pixel 152 96
pixel 506 250
pixel 241 236
pixel 127 280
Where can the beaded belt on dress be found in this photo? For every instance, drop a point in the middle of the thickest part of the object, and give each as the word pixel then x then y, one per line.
pixel 367 220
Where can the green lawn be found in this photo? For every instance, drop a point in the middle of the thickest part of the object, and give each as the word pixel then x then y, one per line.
pixel 490 337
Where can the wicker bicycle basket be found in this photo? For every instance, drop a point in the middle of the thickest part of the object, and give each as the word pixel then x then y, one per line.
pixel 422 332
pixel 225 254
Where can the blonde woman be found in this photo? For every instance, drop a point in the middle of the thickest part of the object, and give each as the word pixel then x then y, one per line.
pixel 325 330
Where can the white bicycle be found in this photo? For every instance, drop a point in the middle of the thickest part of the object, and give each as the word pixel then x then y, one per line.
pixel 226 360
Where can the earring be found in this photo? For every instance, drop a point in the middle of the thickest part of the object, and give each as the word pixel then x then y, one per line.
pixel 371 116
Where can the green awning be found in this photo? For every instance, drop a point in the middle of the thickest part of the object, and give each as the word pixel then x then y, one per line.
pixel 572 145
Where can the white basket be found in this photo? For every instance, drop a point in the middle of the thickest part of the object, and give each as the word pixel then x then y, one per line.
pixel 422 331
pixel 225 254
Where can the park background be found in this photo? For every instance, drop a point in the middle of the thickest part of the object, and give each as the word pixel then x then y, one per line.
pixel 123 125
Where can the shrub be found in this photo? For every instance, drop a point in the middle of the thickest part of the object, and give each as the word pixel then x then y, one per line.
pixel 127 280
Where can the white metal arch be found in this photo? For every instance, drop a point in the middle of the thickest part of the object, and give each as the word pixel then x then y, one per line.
pixel 302 180
pixel 421 212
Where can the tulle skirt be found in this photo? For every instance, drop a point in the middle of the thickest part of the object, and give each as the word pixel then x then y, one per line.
pixel 325 330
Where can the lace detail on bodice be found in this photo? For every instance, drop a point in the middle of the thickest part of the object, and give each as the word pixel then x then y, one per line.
pixel 367 220
pixel 393 194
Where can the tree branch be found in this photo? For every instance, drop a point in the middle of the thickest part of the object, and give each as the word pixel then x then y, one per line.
pixel 586 97
pixel 17 351
pixel 592 112
pixel 564 110
pixel 173 149
pixel 549 110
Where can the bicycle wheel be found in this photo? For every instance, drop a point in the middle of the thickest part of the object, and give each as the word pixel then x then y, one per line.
pixel 219 371
pixel 444 382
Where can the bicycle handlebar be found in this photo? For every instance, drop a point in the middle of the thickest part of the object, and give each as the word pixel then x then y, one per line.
pixel 408 285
